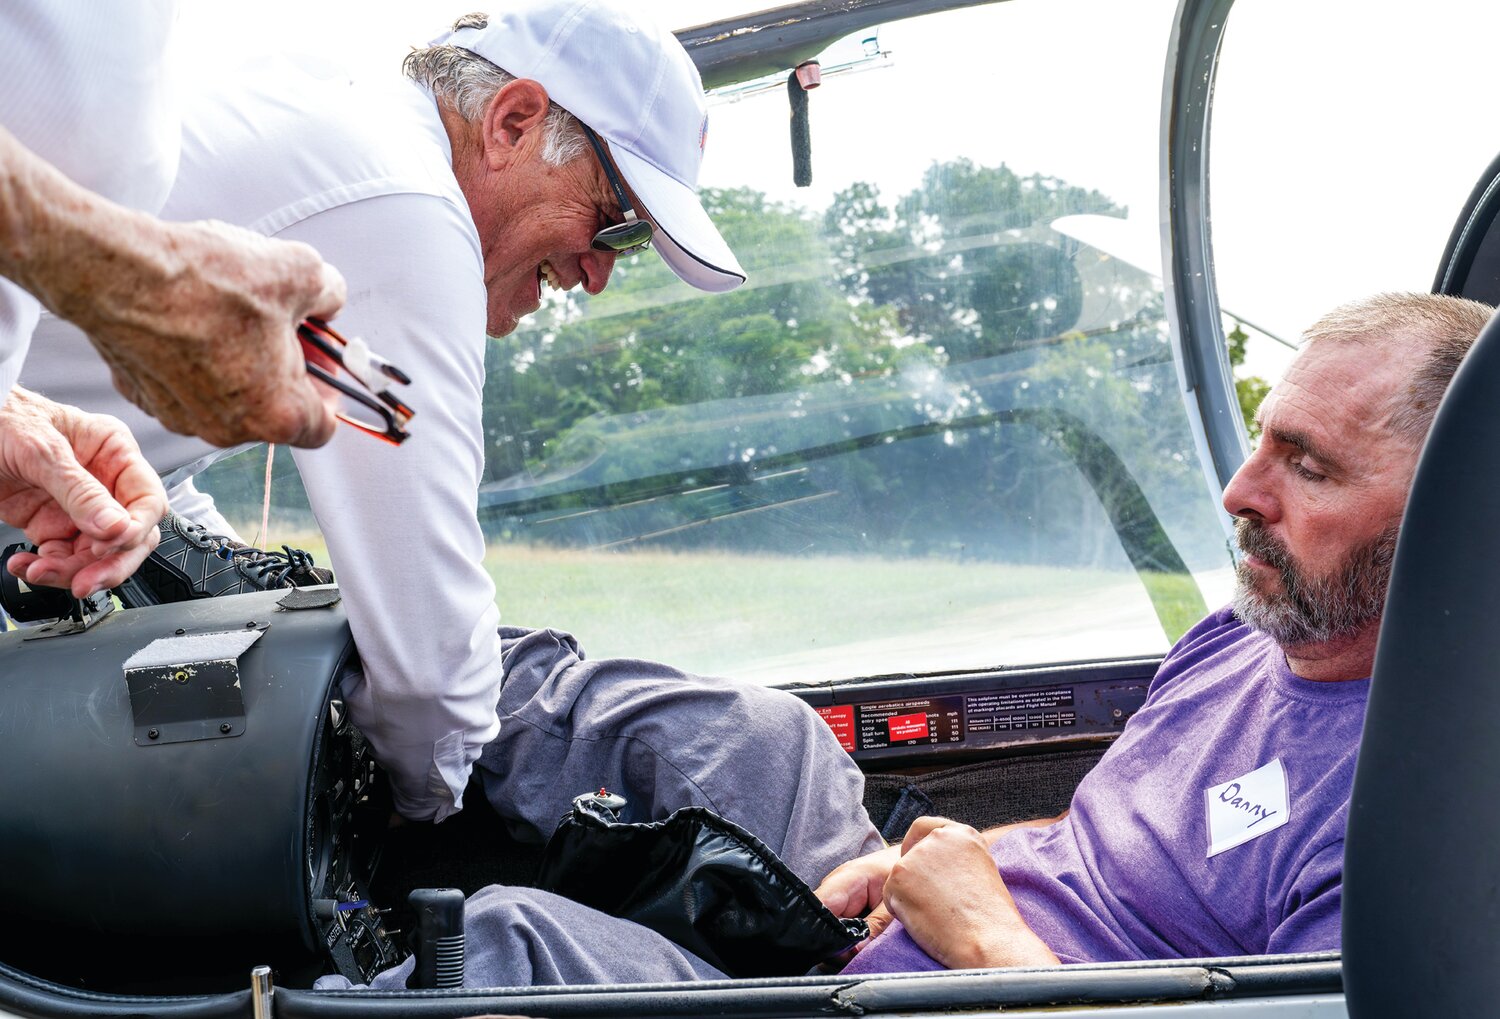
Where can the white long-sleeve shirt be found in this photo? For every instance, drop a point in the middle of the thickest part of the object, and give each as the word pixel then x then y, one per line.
pixel 85 87
pixel 362 173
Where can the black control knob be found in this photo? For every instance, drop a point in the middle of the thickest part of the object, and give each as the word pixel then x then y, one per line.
pixel 440 938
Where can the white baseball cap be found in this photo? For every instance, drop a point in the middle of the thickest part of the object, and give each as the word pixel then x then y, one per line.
pixel 629 80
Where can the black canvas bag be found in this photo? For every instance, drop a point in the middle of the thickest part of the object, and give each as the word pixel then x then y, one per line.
pixel 701 881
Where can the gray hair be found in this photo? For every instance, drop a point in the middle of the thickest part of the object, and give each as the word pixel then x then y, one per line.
pixel 1447 326
pixel 467 82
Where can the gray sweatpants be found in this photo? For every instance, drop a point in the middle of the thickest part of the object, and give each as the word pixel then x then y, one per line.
pixel 663 739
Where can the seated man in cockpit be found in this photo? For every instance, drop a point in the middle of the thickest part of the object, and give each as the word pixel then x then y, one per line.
pixel 1214 826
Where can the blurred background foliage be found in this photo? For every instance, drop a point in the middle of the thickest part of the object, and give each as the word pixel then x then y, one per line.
pixel 937 373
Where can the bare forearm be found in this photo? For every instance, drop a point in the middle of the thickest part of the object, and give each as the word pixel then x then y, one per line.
pixel 1008 942
pixel 196 320
pixel 66 245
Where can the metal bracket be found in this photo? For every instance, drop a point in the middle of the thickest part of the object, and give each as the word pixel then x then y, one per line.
pixel 187 687
pixel 86 612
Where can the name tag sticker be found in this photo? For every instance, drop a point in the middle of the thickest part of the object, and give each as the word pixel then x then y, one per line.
pixel 1247 807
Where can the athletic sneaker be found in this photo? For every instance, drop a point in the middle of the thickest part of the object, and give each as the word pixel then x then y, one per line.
pixel 191 563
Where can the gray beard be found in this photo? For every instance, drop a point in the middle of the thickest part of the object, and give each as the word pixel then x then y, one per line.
pixel 1309 609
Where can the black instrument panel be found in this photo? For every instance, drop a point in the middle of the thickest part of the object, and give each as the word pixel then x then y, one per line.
pixel 895 720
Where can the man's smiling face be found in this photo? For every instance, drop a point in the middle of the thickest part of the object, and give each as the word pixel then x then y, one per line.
pixel 536 221
pixel 543 237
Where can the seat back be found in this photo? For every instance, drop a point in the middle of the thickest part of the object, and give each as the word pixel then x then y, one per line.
pixel 1422 860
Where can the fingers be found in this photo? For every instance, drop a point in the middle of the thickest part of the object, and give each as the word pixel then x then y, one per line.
pixel 303 416
pixel 156 396
pixel 851 895
pixel 54 568
pixel 312 287
pixel 80 489
pixel 838 893
pixel 85 568
pixel 18 563
pixel 835 897
pixel 106 451
pixel 332 292
pixel 854 887
pixel 113 570
pixel 920 829
pixel 306 417
pixel 80 495
pixel 878 920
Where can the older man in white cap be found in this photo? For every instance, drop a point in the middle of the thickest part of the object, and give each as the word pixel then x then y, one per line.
pixel 520 156
pixel 640 114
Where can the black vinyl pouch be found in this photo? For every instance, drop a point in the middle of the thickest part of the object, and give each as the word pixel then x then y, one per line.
pixel 701 881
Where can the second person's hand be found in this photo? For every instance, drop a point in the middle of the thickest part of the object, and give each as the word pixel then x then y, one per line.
pixel 200 332
pixel 79 488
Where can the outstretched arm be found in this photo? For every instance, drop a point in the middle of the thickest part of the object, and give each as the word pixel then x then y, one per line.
pixel 196 320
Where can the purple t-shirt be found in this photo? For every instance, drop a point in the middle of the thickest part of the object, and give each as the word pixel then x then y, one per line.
pixel 1128 874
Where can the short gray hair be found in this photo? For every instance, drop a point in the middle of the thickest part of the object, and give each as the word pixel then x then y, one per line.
pixel 467 82
pixel 1447 325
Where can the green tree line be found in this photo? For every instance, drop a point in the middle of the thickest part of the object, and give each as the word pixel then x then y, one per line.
pixel 941 373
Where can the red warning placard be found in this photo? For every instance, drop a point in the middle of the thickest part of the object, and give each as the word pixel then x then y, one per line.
pixel 908 727
pixel 840 719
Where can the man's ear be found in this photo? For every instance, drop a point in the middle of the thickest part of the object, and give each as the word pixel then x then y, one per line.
pixel 513 121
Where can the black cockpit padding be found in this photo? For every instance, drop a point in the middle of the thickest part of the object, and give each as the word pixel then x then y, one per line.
pixel 193 839
pixel 1421 923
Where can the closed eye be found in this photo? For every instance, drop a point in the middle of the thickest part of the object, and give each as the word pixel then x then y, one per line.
pixel 1299 445
pixel 1307 475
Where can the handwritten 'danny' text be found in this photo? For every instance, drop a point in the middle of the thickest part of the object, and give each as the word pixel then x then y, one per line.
pixel 1231 795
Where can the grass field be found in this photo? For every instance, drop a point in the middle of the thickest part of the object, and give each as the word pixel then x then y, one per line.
pixel 778 618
